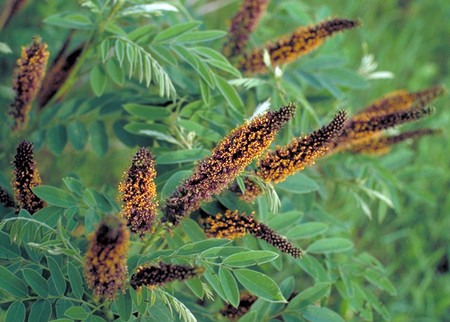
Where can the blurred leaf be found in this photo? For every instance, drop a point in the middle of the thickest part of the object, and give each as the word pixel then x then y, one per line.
pixel 230 94
pixel 229 286
pixel 41 311
pixel 174 181
pixel 76 282
pixel 74 185
pixel 147 112
pixel 57 139
pixel 36 281
pixel 298 183
pixel 76 313
pixel 8 250
pixel 54 196
pixel 330 245
pixel 57 276
pixel 259 284
pixel 69 20
pixel 321 314
pixel 78 135
pixel 200 36
pixel 307 230
pixel 196 286
pixel 115 72
pixel 16 312
pixel 124 305
pixel 175 31
pixel 308 296
pixel 254 257
pixel 198 247
pixel 180 156
pixel 98 138
pixel 12 284
pixel 97 80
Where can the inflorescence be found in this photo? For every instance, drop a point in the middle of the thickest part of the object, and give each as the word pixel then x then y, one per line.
pixel 230 157
pixel 153 276
pixel 28 78
pixel 138 191
pixel 105 266
pixel 242 25
pixel 232 225
pixel 277 165
pixel 234 313
pixel 26 177
pixel 290 47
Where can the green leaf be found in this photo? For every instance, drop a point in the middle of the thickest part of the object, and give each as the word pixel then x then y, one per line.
pixel 54 196
pixel 308 296
pixel 78 135
pixel 69 20
pixel 253 257
pixel 99 138
pixel 202 131
pixel 229 286
pixel 61 306
pixel 36 281
pixel 120 51
pixel 379 280
pixel 174 31
pixel 203 69
pixel 330 245
pixel 124 305
pixel 214 281
pixel 12 284
pixel 298 183
pixel 41 311
pixel 57 276
pixel 8 250
pixel 307 230
pixel 223 251
pixel 196 286
pixel 97 80
pixel 315 313
pixel 284 221
pixel 200 36
pixel 230 94
pixel 16 312
pixel 181 156
pixel 74 185
pixel 57 139
pixel 76 313
pixel 260 285
pixel 147 112
pixel 173 182
pixel 200 246
pixel 76 282
pixel 115 72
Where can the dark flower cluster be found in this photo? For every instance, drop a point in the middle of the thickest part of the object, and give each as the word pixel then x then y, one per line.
pixel 60 69
pixel 234 313
pixel 153 276
pixel 242 25
pixel 138 191
pixel 5 199
pixel 301 152
pixel 105 265
pixel 28 78
pixel 232 224
pixel 392 110
pixel 290 47
pixel 26 177
pixel 230 157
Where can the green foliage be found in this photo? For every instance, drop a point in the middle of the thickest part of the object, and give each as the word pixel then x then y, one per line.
pixel 374 229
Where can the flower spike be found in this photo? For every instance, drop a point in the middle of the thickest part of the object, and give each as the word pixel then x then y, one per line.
pixel 28 78
pixel 6 200
pixel 26 177
pixel 233 225
pixel 230 157
pixel 243 24
pixel 153 276
pixel 290 47
pixel 139 193
pixel 234 313
pixel 383 144
pixel 105 266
